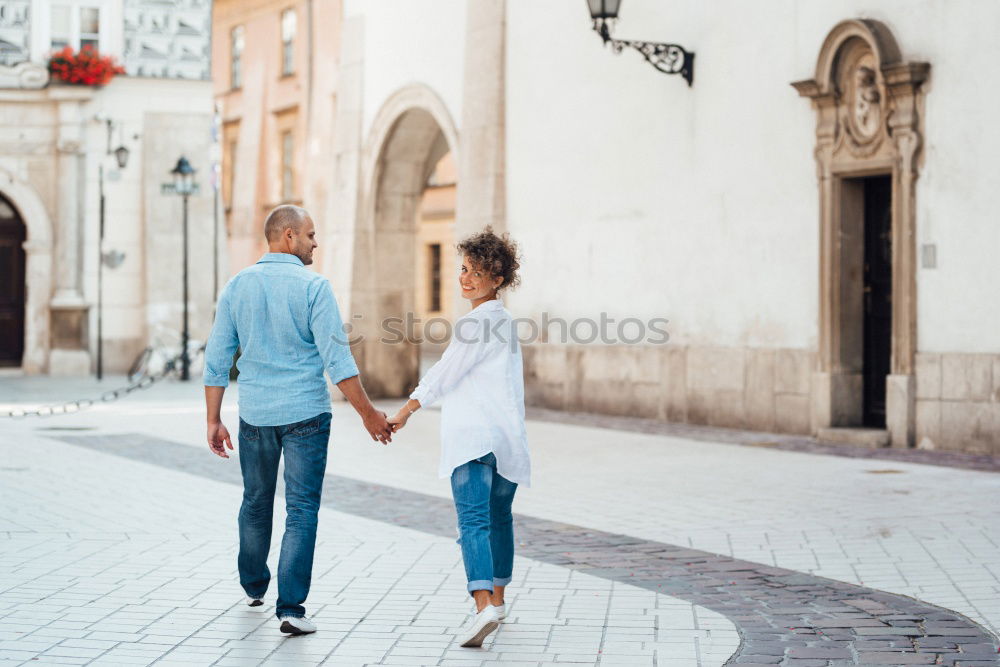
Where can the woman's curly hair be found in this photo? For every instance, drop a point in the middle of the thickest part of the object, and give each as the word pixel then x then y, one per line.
pixel 496 255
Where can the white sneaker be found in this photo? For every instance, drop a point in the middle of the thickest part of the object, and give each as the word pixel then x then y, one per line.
pixel 501 611
pixel 254 602
pixel 296 625
pixel 481 625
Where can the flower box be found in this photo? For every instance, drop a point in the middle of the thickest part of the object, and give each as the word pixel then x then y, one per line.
pixel 86 67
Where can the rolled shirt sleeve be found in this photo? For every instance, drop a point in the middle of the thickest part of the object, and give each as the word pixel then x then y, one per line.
pixel 222 344
pixel 328 333
pixel 466 349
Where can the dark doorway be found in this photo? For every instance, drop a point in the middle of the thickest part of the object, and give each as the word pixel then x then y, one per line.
pixel 877 297
pixel 12 235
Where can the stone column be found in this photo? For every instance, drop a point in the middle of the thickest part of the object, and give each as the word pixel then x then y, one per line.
pixel 69 354
pixel 481 197
pixel 482 192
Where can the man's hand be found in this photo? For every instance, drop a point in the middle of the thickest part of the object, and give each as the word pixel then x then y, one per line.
pixel 374 420
pixel 378 427
pixel 218 439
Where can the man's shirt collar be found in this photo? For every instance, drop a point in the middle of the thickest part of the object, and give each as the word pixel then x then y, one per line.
pixel 282 257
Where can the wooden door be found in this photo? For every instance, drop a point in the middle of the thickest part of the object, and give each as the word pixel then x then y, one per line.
pixel 12 236
pixel 878 297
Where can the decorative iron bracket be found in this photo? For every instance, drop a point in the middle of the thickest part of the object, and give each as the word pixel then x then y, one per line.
pixel 668 58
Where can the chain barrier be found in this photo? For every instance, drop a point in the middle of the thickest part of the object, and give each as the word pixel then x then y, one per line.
pixel 71 407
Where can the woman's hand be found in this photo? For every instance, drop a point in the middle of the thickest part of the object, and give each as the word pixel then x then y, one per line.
pixel 398 420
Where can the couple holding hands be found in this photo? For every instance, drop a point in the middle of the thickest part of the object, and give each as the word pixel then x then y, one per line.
pixel 285 321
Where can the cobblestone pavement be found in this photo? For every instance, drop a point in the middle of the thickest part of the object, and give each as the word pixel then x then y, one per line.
pixel 109 561
pixel 783 616
pixel 920 530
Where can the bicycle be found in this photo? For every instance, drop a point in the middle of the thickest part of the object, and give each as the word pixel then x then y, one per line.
pixel 162 356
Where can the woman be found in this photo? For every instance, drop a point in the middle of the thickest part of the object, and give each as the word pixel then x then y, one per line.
pixel 484 447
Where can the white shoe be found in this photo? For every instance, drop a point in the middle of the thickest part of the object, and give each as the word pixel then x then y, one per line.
pixel 501 611
pixel 480 627
pixel 254 602
pixel 296 625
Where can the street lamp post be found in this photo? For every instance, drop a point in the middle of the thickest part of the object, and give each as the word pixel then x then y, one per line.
pixel 184 186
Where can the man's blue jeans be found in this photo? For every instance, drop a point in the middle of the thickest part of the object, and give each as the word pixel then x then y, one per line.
pixel 485 523
pixel 304 444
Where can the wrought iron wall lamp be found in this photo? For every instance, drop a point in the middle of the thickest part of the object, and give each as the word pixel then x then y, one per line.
pixel 668 58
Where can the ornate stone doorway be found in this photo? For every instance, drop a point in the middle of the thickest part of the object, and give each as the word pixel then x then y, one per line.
pixel 868 104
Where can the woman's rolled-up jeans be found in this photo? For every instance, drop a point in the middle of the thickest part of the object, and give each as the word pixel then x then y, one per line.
pixel 485 523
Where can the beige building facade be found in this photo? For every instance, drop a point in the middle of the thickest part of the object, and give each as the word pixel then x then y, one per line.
pixel 810 222
pixel 274 68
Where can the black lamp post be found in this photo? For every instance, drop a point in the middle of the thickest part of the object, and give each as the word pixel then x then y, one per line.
pixel 111 259
pixel 668 58
pixel 184 185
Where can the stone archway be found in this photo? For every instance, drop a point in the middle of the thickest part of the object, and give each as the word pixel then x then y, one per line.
pixel 868 104
pixel 411 132
pixel 38 270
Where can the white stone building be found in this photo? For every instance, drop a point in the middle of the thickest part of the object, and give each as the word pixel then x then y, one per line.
pixel 823 251
pixel 55 140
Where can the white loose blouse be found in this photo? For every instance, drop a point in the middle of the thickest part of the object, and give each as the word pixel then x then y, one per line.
pixel 480 383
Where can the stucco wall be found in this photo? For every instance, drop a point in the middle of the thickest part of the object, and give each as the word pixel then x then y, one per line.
pixel 408 41
pixel 636 195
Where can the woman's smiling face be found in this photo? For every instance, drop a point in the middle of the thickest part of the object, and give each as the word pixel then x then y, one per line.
pixel 477 285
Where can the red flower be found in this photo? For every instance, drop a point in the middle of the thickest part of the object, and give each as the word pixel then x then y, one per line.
pixel 87 66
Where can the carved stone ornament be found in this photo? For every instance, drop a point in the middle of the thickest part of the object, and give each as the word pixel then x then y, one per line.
pixel 867 98
pixel 861 114
pixel 23 76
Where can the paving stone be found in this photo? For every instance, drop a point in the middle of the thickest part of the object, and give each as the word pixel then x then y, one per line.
pixel 896 659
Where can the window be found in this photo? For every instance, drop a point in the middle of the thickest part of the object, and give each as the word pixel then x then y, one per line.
pixel 287 168
pixel 90 28
pixel 236 40
pixel 74 24
pixel 62 34
pixel 434 263
pixel 287 42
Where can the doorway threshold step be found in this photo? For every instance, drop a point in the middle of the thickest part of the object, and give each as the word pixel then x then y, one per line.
pixel 873 438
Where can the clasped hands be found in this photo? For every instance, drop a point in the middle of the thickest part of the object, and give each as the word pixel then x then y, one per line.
pixel 398 420
pixel 382 428
pixel 377 426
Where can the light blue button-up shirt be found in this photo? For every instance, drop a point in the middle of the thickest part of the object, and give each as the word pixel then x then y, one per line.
pixel 288 327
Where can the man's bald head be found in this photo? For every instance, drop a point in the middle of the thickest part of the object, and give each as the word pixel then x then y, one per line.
pixel 284 217
pixel 289 229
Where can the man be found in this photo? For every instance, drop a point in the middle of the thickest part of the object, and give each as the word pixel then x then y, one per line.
pixel 285 320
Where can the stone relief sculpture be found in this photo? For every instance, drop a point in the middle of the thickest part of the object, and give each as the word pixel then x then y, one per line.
pixel 861 114
pixel 867 111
